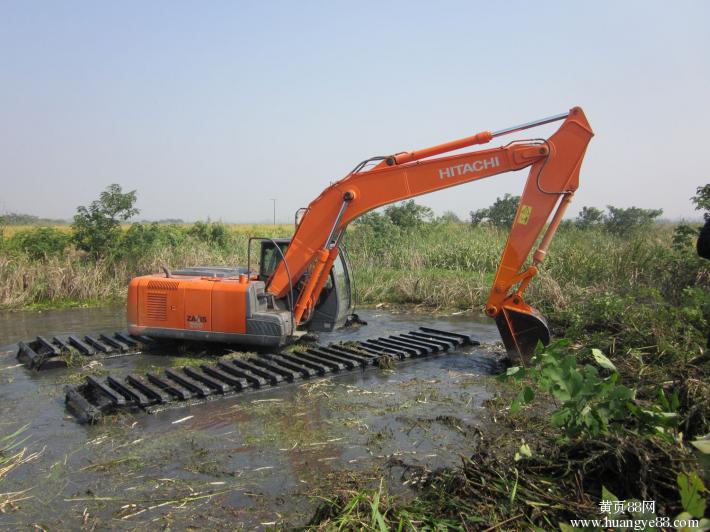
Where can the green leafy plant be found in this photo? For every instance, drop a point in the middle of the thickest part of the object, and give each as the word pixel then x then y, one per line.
pixel 39 243
pixel 691 489
pixel 590 400
pixel 702 200
pixel 684 236
pixel 210 232
pixel 692 497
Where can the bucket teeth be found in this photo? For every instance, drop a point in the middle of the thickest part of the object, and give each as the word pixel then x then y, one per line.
pixel 232 377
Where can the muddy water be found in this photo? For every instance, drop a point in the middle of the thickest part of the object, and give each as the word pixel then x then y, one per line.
pixel 253 461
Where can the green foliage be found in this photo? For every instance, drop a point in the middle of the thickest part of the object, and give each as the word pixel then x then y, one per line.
pixel 14 218
pixel 702 200
pixel 644 320
pixel 141 238
pixel 210 232
pixel 378 222
pixel 589 402
pixel 363 510
pixel 622 221
pixel 449 217
pixel 691 489
pixel 97 228
pixel 500 214
pixel 408 215
pixel 39 243
pixel 588 217
pixel 684 236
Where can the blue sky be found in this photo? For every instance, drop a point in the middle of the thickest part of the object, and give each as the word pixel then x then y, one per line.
pixel 212 108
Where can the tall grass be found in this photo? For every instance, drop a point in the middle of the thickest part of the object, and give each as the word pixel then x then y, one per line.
pixel 73 278
pixel 435 265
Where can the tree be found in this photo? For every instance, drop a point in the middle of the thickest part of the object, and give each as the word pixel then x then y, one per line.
pixel 97 228
pixel 702 200
pixel 621 221
pixel 449 217
pixel 501 213
pixel 588 217
pixel 684 235
pixel 408 214
pixel 377 221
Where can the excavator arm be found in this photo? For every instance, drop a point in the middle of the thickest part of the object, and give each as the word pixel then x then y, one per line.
pixel 553 178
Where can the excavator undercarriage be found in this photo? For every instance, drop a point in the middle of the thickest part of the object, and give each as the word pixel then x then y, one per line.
pixel 227 377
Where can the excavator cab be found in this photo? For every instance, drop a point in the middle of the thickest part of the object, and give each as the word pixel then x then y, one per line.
pixel 335 302
pixel 270 256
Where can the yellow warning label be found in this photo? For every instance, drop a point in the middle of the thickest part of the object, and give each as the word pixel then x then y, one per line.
pixel 524 216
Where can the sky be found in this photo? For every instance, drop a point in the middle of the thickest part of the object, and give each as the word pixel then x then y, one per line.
pixel 210 109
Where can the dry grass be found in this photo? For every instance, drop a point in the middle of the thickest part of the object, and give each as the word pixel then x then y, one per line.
pixel 436 266
pixel 12 456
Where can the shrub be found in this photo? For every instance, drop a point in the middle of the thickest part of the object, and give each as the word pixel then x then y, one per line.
pixel 588 217
pixel 39 243
pixel 449 217
pixel 590 399
pixel 684 236
pixel 623 221
pixel 210 232
pixel 141 238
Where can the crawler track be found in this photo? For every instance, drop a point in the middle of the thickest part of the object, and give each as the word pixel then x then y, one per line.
pixel 48 353
pixel 228 378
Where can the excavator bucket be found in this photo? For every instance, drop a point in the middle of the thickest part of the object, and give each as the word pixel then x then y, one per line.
pixel 521 331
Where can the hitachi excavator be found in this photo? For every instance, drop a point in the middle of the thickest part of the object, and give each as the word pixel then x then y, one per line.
pixel 303 283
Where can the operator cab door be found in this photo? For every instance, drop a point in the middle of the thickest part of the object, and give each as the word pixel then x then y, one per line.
pixel 335 302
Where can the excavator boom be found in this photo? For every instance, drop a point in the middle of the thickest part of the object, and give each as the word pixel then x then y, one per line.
pixel 552 180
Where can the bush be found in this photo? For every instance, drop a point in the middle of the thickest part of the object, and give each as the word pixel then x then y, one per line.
pixel 588 217
pixel 684 236
pixel 449 217
pixel 141 238
pixel 644 321
pixel 39 243
pixel 210 232
pixel 623 221
pixel 590 399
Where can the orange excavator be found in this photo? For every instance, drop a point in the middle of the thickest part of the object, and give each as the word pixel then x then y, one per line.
pixel 303 283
